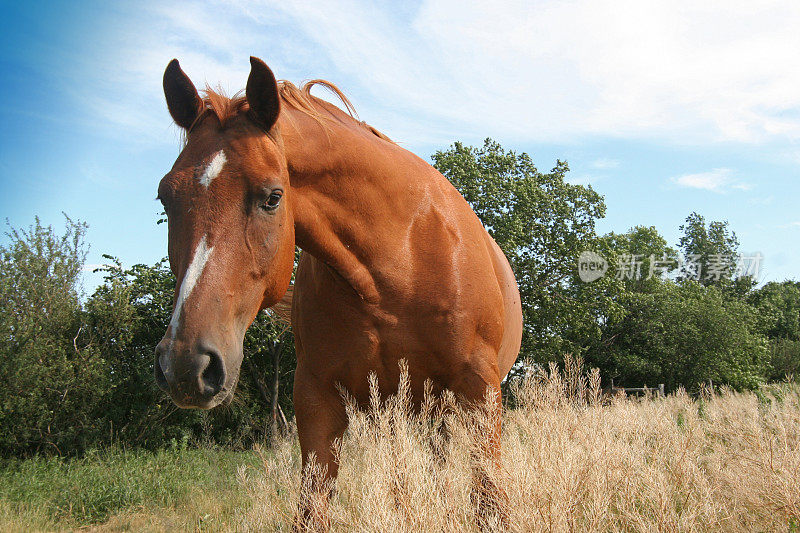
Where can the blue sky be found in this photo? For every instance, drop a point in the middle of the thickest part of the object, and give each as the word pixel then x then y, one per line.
pixel 665 107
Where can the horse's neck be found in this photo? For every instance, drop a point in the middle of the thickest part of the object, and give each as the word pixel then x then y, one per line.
pixel 349 193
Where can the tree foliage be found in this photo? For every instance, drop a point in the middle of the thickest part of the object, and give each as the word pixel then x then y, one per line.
pixel 644 321
pixel 53 378
pixel 713 247
pixel 645 255
pixel 778 305
pixel 683 334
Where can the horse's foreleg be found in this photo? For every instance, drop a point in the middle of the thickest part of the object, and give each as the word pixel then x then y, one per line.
pixel 482 395
pixel 490 500
pixel 321 419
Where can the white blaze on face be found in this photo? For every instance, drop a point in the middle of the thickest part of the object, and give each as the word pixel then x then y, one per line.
pixel 201 255
pixel 213 169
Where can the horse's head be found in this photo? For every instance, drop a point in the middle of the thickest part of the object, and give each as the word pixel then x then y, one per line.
pixel 231 233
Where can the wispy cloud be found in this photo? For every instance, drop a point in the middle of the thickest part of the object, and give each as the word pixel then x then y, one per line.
pixel 766 200
pixel 583 179
pixel 631 68
pixel 718 180
pixel 605 163
pixel 795 224
pixel 678 70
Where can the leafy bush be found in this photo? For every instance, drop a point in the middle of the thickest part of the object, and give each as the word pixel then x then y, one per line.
pixel 784 359
pixel 684 334
pixel 54 379
pixel 128 315
pixel 779 308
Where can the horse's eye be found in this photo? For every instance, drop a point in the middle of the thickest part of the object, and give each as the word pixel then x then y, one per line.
pixel 273 201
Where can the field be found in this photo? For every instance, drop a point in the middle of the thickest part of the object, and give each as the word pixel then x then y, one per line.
pixel 573 461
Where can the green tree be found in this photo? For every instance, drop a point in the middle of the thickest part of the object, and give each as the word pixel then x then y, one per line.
pixel 712 248
pixel 53 378
pixel 79 375
pixel 778 306
pixel 682 335
pixel 129 314
pixel 781 303
pixel 640 257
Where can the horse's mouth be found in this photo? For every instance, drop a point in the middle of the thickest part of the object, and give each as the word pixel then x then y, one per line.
pixel 223 398
pixel 227 400
pixel 228 392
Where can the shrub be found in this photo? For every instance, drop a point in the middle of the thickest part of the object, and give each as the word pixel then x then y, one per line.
pixel 684 334
pixel 53 379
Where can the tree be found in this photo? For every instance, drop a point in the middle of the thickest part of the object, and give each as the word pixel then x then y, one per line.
pixel 712 248
pixel 778 307
pixel 640 257
pixel 683 334
pixel 78 375
pixel 53 378
pixel 542 223
pixel 780 302
pixel 678 333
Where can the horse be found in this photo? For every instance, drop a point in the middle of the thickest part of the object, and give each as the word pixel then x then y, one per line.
pixel 395 264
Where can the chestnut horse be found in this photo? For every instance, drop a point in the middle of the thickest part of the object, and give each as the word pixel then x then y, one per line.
pixel 395 263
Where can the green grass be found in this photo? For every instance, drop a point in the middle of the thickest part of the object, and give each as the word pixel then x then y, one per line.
pixel 55 493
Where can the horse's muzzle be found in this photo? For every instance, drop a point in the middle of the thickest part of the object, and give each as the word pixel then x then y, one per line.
pixel 193 379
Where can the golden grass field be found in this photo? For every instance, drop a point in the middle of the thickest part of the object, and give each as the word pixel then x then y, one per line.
pixel 572 461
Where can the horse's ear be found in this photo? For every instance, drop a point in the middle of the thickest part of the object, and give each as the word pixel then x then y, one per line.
pixel 183 102
pixel 262 94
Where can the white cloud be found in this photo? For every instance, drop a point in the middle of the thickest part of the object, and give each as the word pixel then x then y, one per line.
pixel 718 180
pixel 605 163
pixel 766 200
pixel 583 179
pixel 795 224
pixel 550 71
pixel 554 70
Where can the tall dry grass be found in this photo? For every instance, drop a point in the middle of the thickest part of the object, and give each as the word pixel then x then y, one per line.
pixel 572 461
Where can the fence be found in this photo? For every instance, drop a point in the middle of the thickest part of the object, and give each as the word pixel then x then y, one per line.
pixel 643 390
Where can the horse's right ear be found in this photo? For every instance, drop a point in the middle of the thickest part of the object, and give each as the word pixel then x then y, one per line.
pixel 262 94
pixel 183 102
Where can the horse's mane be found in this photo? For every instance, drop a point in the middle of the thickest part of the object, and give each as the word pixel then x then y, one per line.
pixel 299 98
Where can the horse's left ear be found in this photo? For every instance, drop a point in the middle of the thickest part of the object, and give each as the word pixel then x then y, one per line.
pixel 262 94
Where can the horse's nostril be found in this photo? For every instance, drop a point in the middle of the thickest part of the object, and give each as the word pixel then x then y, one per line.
pixel 213 378
pixel 161 379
